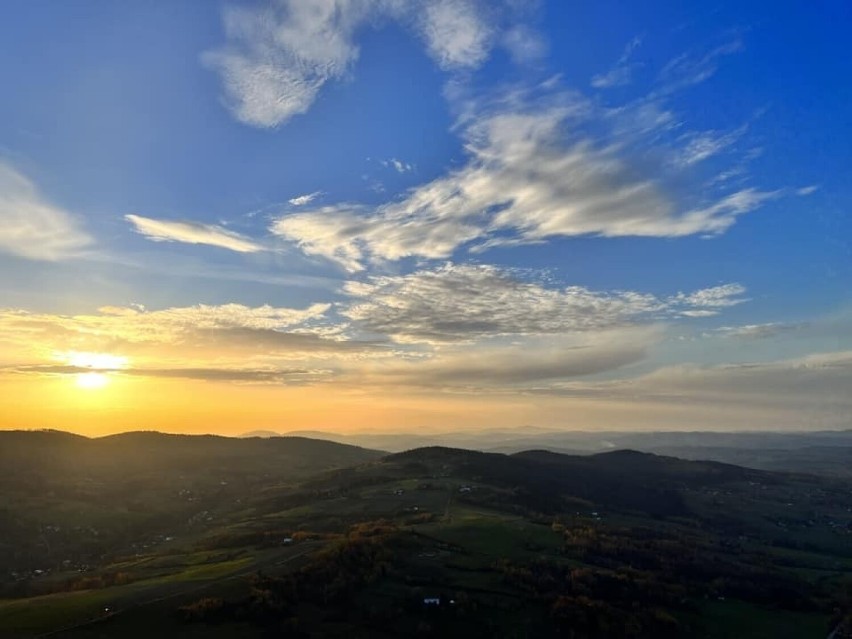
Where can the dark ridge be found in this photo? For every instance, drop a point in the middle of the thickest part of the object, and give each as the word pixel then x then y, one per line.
pixel 37 452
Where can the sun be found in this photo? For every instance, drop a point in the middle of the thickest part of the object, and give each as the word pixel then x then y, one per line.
pixel 92 381
pixel 91 371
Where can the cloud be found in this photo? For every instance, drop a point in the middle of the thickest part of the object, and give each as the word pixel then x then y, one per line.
pixel 244 375
pixel 813 380
pixel 758 331
pixel 688 69
pixel 809 392
pixel 532 174
pixel 456 303
pixel 398 165
pixel 280 54
pixel 30 226
pixel 702 146
pixel 622 72
pixel 302 200
pixel 531 359
pixel 130 325
pixel 524 44
pixel 714 297
pixel 458 33
pixel 224 342
pixel 333 232
pixel 192 233
pixel 807 190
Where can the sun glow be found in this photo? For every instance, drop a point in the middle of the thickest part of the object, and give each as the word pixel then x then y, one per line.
pixel 99 365
pixel 98 361
pixel 92 381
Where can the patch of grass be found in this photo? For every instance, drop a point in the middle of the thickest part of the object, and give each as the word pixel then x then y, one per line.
pixel 725 619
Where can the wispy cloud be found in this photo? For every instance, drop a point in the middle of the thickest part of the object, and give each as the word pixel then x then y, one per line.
pixel 535 171
pixel 132 324
pixel 758 331
pixel 456 303
pixel 807 190
pixel 225 342
pixel 398 165
pixel 458 34
pixel 622 72
pixel 279 55
pixel 689 69
pixel 704 145
pixel 492 366
pixel 302 200
pixel 192 233
pixel 32 227
pixel 278 376
pixel 524 44
pixel 820 379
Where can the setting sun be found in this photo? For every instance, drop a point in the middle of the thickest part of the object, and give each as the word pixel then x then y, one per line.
pixel 92 381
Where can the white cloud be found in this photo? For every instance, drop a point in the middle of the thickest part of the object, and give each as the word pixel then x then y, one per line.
pixel 458 33
pixel 524 44
pixel 279 54
pixel 132 324
pixel 714 297
pixel 398 165
pixel 332 232
pixel 457 303
pixel 807 190
pixel 531 175
pixel 32 227
pixel 192 233
pixel 757 331
pixel 688 70
pixel 302 200
pixel 702 146
pixel 622 72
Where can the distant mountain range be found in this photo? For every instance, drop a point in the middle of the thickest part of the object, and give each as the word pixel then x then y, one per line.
pixel 819 452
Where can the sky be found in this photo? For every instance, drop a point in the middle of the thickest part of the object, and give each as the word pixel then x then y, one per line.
pixel 410 215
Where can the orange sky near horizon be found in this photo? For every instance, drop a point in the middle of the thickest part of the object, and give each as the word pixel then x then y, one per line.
pixel 128 403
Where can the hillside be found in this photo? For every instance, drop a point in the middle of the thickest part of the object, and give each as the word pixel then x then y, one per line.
pixel 70 499
pixel 619 544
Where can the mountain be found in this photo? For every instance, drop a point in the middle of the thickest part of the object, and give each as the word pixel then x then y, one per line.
pixel 229 537
pixel 819 452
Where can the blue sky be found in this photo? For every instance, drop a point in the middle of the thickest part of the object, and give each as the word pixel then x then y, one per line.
pixel 657 191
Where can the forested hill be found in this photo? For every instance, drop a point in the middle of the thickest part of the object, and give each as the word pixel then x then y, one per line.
pixel 57 453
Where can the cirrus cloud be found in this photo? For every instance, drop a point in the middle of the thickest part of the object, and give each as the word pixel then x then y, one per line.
pixel 533 174
pixel 32 227
pixel 192 233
